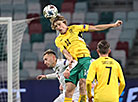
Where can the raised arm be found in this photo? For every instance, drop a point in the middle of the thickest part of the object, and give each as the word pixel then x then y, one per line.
pixel 104 26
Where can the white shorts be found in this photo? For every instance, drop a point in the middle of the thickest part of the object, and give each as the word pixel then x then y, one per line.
pixel 61 97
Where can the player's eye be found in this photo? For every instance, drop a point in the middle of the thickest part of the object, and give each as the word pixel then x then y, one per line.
pixel 55 26
pixel 59 24
pixel 45 59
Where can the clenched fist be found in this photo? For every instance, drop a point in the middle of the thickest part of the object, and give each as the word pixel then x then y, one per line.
pixel 118 23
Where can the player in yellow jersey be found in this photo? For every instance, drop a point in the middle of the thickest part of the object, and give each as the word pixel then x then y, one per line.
pixel 74 47
pixel 108 71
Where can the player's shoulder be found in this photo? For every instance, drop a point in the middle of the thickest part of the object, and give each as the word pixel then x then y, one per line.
pixel 75 26
pixel 72 26
pixel 60 61
pixel 97 60
pixel 114 61
pixel 94 61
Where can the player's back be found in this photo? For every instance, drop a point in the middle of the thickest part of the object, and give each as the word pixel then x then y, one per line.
pixel 107 89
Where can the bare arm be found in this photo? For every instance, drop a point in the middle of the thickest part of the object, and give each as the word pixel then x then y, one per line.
pixel 68 56
pixel 104 26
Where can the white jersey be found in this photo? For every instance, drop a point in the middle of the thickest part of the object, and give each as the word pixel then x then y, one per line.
pixel 60 67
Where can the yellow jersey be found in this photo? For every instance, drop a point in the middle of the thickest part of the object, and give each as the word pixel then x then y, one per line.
pixel 74 44
pixel 107 72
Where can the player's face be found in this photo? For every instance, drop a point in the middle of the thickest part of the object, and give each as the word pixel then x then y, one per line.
pixel 60 26
pixel 49 60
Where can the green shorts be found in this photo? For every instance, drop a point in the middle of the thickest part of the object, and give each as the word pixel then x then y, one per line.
pixel 80 70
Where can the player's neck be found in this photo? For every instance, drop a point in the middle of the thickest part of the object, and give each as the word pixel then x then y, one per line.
pixel 104 55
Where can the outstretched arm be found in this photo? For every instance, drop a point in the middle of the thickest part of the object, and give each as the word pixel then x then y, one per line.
pixel 104 26
pixel 48 76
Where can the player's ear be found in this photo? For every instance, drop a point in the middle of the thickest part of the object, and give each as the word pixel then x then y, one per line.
pixel 54 57
pixel 97 51
pixel 109 51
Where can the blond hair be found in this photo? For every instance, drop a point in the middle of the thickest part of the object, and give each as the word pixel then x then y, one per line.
pixel 57 18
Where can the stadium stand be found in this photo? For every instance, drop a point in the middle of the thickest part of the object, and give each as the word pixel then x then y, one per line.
pixel 78 18
pixel 66 8
pixel 39 35
pixel 92 17
pixel 81 7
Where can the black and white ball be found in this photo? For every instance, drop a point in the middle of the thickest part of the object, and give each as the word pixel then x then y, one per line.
pixel 50 11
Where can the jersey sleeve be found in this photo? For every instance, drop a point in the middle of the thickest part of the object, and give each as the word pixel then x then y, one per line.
pixel 90 78
pixel 122 80
pixel 82 28
pixel 91 72
pixel 57 43
pixel 51 76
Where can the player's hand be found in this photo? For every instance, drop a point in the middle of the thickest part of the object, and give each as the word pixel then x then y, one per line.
pixel 71 60
pixel 118 23
pixel 90 99
pixel 40 77
pixel 66 73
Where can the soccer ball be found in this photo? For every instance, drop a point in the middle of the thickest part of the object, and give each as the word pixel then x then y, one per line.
pixel 50 11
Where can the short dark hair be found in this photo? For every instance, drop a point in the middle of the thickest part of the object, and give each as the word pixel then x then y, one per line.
pixel 103 47
pixel 57 18
pixel 49 51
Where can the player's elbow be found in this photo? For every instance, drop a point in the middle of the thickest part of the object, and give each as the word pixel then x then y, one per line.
pixel 123 84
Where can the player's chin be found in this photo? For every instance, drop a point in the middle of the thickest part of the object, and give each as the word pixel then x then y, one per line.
pixel 48 65
pixel 60 31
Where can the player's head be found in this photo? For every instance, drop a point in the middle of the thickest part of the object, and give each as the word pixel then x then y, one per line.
pixel 103 48
pixel 59 23
pixel 49 58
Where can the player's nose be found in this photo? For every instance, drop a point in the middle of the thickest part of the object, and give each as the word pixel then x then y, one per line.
pixel 45 62
pixel 58 27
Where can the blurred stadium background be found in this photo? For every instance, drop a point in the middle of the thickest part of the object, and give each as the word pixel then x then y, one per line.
pixel 39 37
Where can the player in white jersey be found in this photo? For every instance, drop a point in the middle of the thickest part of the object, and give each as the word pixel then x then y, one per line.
pixel 59 66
